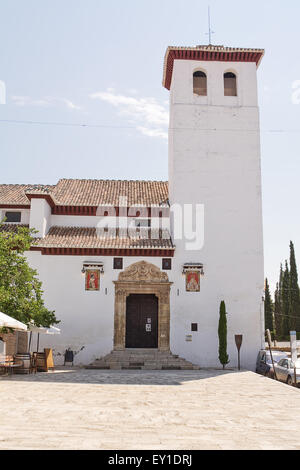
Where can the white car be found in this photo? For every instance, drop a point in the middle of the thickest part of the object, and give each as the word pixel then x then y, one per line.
pixel 285 371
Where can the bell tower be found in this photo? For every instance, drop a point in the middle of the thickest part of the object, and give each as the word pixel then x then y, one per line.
pixel 214 161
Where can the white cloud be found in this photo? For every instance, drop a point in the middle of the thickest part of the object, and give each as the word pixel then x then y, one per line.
pixel 46 101
pixel 70 104
pixel 153 132
pixel 27 101
pixel 150 117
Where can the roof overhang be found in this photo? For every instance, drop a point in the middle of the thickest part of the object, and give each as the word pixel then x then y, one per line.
pixel 207 53
pixel 152 252
pixel 47 197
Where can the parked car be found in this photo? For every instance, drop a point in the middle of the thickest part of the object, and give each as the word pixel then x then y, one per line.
pixel 285 371
pixel 264 364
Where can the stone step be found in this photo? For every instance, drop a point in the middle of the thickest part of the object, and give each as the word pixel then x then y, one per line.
pixel 132 367
pixel 171 367
pixel 96 366
pixel 147 359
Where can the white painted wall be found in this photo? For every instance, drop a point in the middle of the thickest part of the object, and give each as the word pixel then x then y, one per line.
pixel 95 221
pixel 80 221
pixel 87 317
pixel 25 215
pixel 40 216
pixel 214 159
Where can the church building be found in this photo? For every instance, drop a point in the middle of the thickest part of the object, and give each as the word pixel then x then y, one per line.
pixel 136 270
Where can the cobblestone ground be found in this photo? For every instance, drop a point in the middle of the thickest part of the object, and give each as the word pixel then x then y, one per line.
pixel 88 409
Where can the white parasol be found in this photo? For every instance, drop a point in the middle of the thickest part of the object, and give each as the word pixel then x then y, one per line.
pixel 51 330
pixel 9 322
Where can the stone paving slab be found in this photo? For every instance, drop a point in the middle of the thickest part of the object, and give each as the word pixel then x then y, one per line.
pixel 200 409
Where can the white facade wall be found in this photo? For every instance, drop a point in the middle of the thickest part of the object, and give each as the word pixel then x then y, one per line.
pixel 40 216
pixel 214 160
pixel 95 221
pixel 25 215
pixel 87 317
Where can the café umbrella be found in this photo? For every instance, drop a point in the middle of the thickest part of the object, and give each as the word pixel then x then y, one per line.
pixel 9 322
pixel 51 330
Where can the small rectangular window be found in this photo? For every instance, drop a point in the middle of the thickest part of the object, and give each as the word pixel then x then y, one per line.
pixel 167 264
pixel 194 327
pixel 118 263
pixel 13 216
pixel 142 222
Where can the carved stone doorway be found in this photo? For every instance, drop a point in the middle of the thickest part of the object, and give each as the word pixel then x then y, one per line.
pixel 142 278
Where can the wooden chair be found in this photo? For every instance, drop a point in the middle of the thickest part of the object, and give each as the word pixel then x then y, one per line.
pixel 5 362
pixel 33 363
pixel 8 364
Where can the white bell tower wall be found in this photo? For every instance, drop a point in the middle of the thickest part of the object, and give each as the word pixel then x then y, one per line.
pixel 214 161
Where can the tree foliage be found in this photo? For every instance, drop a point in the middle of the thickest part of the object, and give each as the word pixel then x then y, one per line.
pixel 21 295
pixel 222 332
pixel 285 295
pixel 287 298
pixel 278 307
pixel 294 294
pixel 268 308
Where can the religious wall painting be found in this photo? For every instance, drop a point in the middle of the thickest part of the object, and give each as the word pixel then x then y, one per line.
pixel 92 279
pixel 192 281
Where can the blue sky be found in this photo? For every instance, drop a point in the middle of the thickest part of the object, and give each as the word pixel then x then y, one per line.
pixel 100 63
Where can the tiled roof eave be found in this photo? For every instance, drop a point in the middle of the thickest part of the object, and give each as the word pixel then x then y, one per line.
pixel 255 54
pixel 108 204
pixel 108 247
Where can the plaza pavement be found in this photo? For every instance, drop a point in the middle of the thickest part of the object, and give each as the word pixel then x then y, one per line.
pixel 94 409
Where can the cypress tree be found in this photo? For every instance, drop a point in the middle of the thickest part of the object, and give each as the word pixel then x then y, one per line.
pixel 222 332
pixel 294 303
pixel 278 308
pixel 268 308
pixel 285 295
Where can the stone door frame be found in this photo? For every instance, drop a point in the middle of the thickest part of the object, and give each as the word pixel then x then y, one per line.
pixel 142 278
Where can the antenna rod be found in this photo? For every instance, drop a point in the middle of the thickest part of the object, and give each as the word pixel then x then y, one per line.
pixel 209 27
pixel 210 31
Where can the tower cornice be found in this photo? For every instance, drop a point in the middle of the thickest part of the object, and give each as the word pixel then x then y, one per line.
pixel 207 53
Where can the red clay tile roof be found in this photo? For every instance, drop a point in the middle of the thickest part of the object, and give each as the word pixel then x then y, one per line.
pixel 9 228
pixel 107 192
pixel 70 192
pixel 15 194
pixel 87 237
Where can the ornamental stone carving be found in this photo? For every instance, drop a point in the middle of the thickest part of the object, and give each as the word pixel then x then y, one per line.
pixel 143 272
pixel 142 278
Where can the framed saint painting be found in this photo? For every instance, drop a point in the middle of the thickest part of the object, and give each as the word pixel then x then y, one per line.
pixel 92 279
pixel 192 281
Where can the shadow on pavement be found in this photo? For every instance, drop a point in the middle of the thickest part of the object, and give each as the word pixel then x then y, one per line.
pixel 111 377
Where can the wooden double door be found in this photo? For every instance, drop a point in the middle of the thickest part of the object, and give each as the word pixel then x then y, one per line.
pixel 141 321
